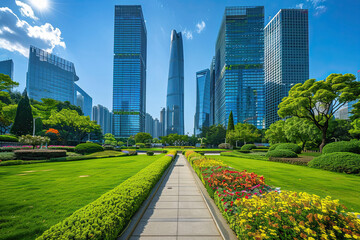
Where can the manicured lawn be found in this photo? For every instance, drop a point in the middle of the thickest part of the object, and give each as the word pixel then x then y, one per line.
pixel 37 196
pixel 303 179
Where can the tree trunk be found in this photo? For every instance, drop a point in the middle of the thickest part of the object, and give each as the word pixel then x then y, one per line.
pixel 303 145
pixel 323 141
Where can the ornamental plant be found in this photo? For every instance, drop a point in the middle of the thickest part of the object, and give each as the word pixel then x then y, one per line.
pixel 34 140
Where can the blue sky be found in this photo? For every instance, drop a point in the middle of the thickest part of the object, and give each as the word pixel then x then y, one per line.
pixel 81 31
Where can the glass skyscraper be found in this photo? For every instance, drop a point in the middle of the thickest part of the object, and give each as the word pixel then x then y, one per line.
pixel 83 100
pixel 286 57
pixel 103 117
pixel 202 114
pixel 7 68
pixel 239 67
pixel 212 93
pixel 50 76
pixel 175 88
pixel 129 79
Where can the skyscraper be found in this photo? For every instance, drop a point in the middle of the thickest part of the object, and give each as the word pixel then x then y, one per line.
pixel 149 124
pixel 175 88
pixel 162 131
pixel 129 80
pixel 239 67
pixel 212 92
pixel 286 57
pixel 83 100
pixel 202 113
pixel 103 117
pixel 156 128
pixel 7 68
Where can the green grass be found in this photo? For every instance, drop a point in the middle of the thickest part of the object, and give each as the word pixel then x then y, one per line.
pixel 179 149
pixel 340 186
pixel 36 196
pixel 107 153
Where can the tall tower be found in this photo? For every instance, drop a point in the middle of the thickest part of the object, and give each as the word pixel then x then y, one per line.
pixel 175 88
pixel 129 76
pixel 286 57
pixel 202 113
pixel 7 68
pixel 239 67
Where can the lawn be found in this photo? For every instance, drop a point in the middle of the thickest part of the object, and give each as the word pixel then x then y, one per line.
pixel 340 186
pixel 37 196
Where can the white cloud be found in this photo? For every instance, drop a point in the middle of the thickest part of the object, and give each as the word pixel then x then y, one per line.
pixel 316 2
pixel 188 34
pixel 320 9
pixel 26 10
pixel 300 5
pixel 200 26
pixel 17 35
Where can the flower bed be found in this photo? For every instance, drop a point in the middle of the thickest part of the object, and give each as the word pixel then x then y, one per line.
pixel 255 210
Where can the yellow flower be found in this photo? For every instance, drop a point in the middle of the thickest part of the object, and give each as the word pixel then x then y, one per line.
pixel 347 235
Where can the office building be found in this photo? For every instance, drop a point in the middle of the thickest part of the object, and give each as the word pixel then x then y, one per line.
pixel 202 113
pixel 286 57
pixel 103 117
pixel 212 92
pixel 83 100
pixel 149 124
pixel 175 88
pixel 157 129
pixel 162 122
pixel 239 67
pixel 7 68
pixel 129 76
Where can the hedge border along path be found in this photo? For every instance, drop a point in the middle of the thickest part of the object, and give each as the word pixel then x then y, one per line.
pixel 107 216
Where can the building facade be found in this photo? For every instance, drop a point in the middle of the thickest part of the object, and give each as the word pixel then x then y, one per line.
pixel 7 68
pixel 286 57
pixel 129 76
pixel 156 128
pixel 149 124
pixel 83 100
pixel 103 117
pixel 175 88
pixel 239 67
pixel 212 92
pixel 202 113
pixel 162 122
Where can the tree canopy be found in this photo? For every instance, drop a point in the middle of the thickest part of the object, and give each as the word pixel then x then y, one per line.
pixel 231 126
pixel 23 123
pixel 243 132
pixel 276 133
pixel 142 137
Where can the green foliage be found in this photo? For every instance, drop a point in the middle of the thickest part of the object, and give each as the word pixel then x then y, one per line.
pixel 337 162
pixel 276 133
pixel 231 126
pixel 109 139
pixel 11 163
pixel 293 161
pixel 214 134
pixel 107 216
pixel 150 153
pixel 8 138
pixel 5 156
pixel 23 123
pixel 86 148
pixel 142 137
pixel 277 153
pixel 175 139
pixel 33 140
pixel 224 146
pixel 6 83
pixel 274 146
pixel 342 146
pixel 339 130
pixel 289 146
pixel 244 132
pixel 248 147
pixel 355 113
pixel 140 145
pixel 39 154
pixel 355 128
pixel 244 151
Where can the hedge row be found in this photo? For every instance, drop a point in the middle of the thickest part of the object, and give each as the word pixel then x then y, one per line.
pixel 8 138
pixel 342 146
pixel 87 148
pixel 107 216
pixel 248 147
pixel 281 153
pixel 38 154
pixel 294 161
pixel 344 162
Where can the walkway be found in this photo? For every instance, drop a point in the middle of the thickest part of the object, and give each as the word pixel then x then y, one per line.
pixel 178 210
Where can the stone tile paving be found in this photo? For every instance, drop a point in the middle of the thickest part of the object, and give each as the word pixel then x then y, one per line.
pixel 178 210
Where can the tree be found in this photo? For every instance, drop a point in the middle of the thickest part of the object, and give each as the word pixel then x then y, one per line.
pixel 355 130
pixel 110 139
pixel 276 133
pixel 142 137
pixel 339 130
pixel 318 101
pixel 355 113
pixel 5 99
pixel 6 83
pixel 175 139
pixel 244 132
pixel 215 134
pixel 231 126
pixel 23 123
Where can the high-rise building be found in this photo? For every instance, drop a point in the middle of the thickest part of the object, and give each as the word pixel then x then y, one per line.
pixel 239 67
pixel 103 117
pixel 50 76
pixel 83 100
pixel 202 113
pixel 212 92
pixel 7 68
pixel 149 124
pixel 175 88
pixel 129 79
pixel 156 128
pixel 162 122
pixel 286 57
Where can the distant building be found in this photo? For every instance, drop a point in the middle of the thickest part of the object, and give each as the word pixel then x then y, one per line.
pixel 7 68
pixel 83 100
pixel 212 92
pixel 162 122
pixel 286 57
pixel 129 80
pixel 103 117
pixel 149 124
pixel 202 113
pixel 157 129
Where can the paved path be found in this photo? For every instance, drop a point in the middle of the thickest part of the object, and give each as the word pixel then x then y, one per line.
pixel 178 210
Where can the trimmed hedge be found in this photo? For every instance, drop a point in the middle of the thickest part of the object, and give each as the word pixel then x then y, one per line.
pixel 337 162
pixel 281 153
pixel 274 146
pixel 67 148
pixel 342 146
pixel 248 147
pixel 293 161
pixel 8 138
pixel 244 151
pixel 150 153
pixel 86 148
pixel 5 156
pixel 290 147
pixel 107 216
pixel 38 154
pixel 260 150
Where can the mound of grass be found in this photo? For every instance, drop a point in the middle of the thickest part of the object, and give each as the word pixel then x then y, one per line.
pixel 290 147
pixel 280 153
pixel 342 146
pixel 337 162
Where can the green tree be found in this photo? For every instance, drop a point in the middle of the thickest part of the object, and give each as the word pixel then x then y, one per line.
pixel 355 113
pixel 276 133
pixel 355 130
pixel 5 99
pixel 214 135
pixel 318 101
pixel 110 139
pixel 339 130
pixel 23 123
pixel 231 126
pixel 6 83
pixel 142 137
pixel 244 132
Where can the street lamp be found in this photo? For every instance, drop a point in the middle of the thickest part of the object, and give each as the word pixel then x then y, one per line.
pixel 34 125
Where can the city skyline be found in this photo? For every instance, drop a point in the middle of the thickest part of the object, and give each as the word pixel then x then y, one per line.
pixel 198 49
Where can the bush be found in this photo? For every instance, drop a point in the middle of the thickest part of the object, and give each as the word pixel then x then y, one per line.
pixel 34 140
pixel 274 146
pixel 67 148
pixel 107 216
pixel 248 147
pixel 262 147
pixel 289 146
pixel 337 162
pixel 129 152
pixel 150 153
pixel 281 154
pixel 13 148
pixel 342 146
pixel 6 156
pixel 86 148
pixel 224 146
pixel 293 161
pixel 164 151
pixel 11 162
pixel 8 138
pixel 108 147
pixel 38 154
pixel 244 151
pixel 140 145
pixel 260 150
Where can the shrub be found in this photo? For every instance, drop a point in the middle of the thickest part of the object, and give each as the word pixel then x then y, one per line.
pixel 294 161
pixel 289 146
pixel 260 150
pixel 224 146
pixel 38 154
pixel 108 147
pixel 164 151
pixel 8 138
pixel 129 152
pixel 107 216
pixel 281 154
pixel 86 148
pixel 244 151
pixel 13 148
pixel 337 162
pixel 6 156
pixel 342 146
pixel 11 162
pixel 150 153
pixel 274 146
pixel 262 147
pixel 34 140
pixel 248 147
pixel 67 148
pixel 140 145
